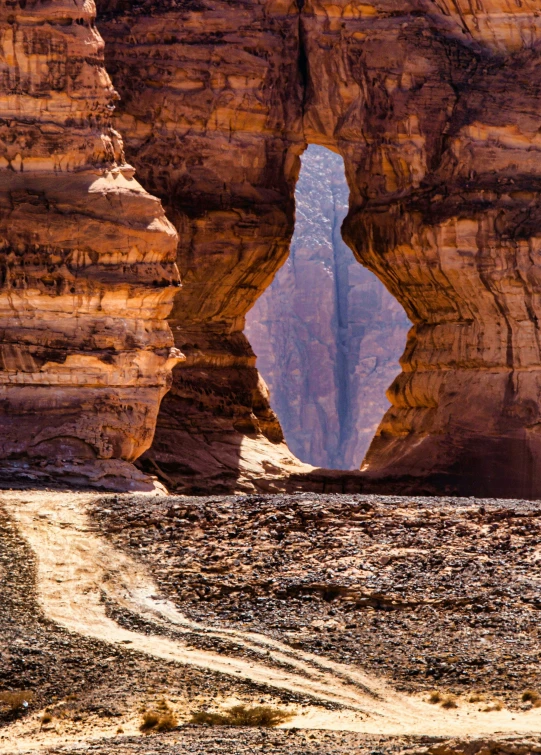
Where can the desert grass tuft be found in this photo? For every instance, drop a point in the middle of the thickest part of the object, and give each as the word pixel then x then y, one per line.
pixel 239 715
pixel 161 718
pixel 531 696
pixel 16 701
pixel 167 722
pixel 494 706
pixel 448 702
pixel 475 697
pixel 435 697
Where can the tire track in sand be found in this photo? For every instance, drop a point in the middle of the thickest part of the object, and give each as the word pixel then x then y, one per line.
pixel 76 567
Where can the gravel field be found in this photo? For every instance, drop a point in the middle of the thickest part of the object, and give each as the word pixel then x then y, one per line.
pixel 431 592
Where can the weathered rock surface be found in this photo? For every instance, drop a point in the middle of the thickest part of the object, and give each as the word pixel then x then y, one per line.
pixel 211 115
pixel 87 260
pixel 444 210
pixel 327 333
pixel 435 109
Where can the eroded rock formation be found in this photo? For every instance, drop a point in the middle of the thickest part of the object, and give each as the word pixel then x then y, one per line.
pixel 327 333
pixel 211 112
pixel 87 260
pixel 435 108
pixel 445 209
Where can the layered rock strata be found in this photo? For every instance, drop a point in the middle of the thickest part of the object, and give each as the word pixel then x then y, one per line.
pixel 211 114
pixel 434 107
pixel 327 333
pixel 87 261
pixel 445 210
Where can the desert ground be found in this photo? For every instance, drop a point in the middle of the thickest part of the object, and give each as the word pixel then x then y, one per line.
pixel 372 624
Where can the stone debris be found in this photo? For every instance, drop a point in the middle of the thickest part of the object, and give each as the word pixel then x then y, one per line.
pixel 431 593
pixel 199 741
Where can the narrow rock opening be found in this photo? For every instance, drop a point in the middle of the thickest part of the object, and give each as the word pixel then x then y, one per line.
pixel 327 333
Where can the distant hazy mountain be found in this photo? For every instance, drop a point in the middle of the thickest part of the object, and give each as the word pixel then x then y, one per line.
pixel 327 333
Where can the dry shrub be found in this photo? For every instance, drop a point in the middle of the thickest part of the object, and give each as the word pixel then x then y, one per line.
pixel 160 719
pixel 448 702
pixel 434 697
pixel 150 720
pixel 497 705
pixel 240 715
pixel 475 697
pixel 16 701
pixel 533 697
pixel 46 718
pixel 167 722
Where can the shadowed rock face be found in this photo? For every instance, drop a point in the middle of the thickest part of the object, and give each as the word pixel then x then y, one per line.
pixel 212 117
pixel 327 333
pixel 434 107
pixel 87 261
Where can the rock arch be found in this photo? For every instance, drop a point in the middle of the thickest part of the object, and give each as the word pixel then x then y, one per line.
pixel 435 109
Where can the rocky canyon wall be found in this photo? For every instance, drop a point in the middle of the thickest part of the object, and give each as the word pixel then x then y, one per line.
pixel 211 113
pixel 327 333
pixel 435 108
pixel 445 210
pixel 87 261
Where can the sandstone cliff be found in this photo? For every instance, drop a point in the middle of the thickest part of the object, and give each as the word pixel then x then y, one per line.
pixel 211 112
pixel 327 333
pixel 87 260
pixel 434 107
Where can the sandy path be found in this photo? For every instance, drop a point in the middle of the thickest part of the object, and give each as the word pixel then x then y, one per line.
pixel 77 566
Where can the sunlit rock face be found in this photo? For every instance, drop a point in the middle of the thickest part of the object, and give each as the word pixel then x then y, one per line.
pixel 439 131
pixel 502 25
pixel 87 261
pixel 436 109
pixel 327 333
